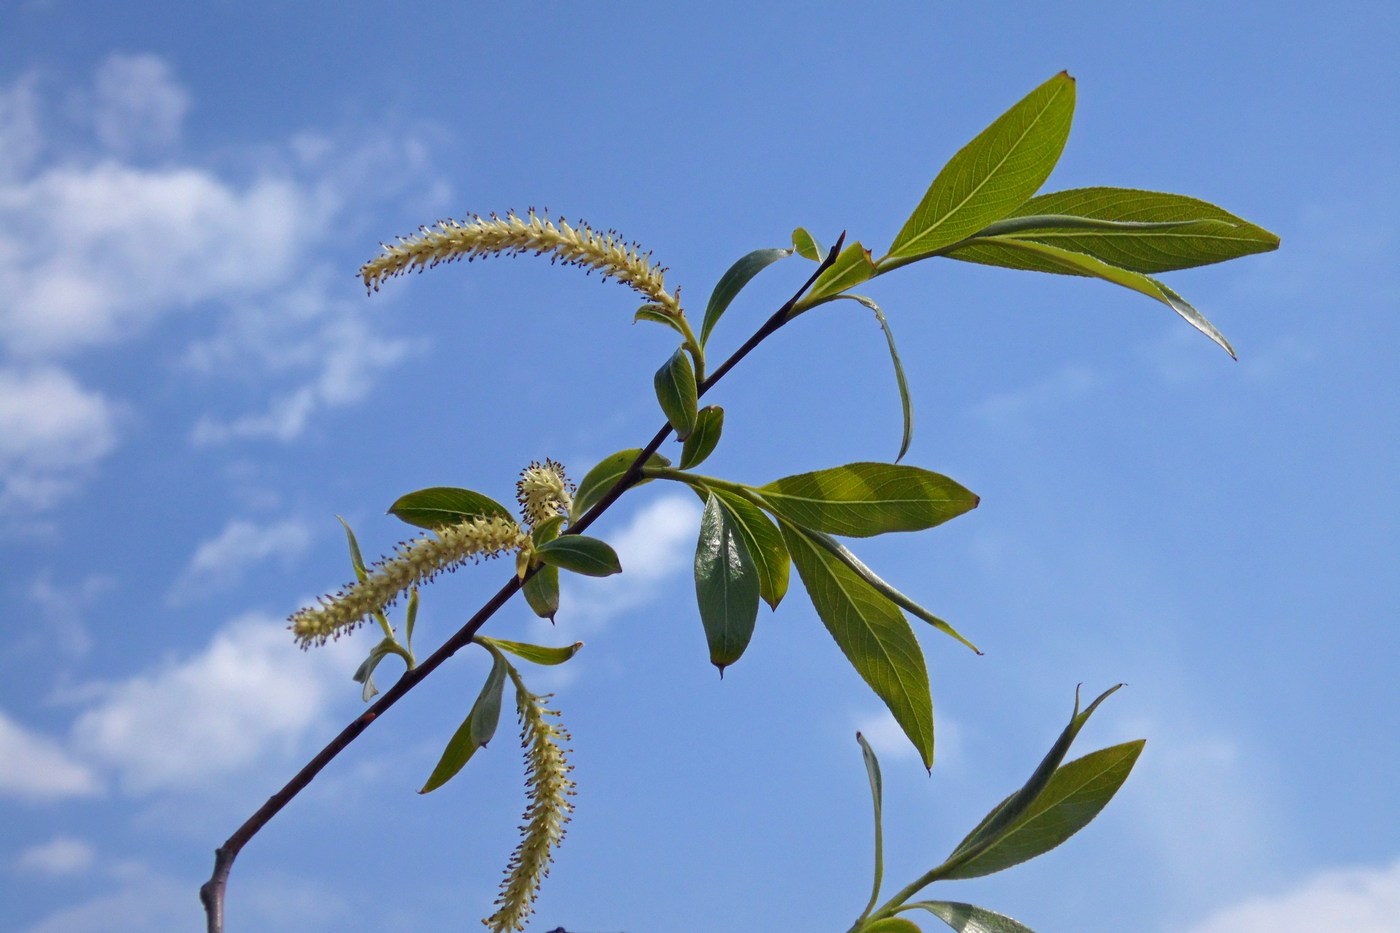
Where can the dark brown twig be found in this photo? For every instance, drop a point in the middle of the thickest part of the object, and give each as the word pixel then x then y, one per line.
pixel 211 893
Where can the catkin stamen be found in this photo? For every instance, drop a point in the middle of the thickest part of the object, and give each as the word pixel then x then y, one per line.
pixel 543 491
pixel 579 245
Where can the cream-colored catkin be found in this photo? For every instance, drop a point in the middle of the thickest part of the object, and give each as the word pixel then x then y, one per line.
pixel 543 491
pixel 415 562
pixel 547 782
pixel 578 245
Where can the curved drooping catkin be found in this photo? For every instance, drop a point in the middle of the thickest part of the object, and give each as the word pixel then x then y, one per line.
pixel 549 787
pixel 415 562
pixel 512 234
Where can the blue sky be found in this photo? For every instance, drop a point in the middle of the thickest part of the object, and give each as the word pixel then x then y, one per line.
pixel 193 385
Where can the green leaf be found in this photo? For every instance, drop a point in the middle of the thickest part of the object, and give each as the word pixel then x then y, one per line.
pixel 764 543
pixel 892 925
pixel 677 393
pixel 356 560
pixel 873 635
pixel 905 404
pixel 864 499
pixel 733 281
pixel 994 174
pixel 968 918
pixel 1083 264
pixel 1013 808
pixel 883 588
pixel 364 674
pixel 1073 797
pixel 806 245
pixel 709 424
pixel 1150 231
pixel 872 771
pixel 542 588
pixel 535 654
pixel 476 730
pixel 581 554
pixel 608 471
pixel 659 314
pixel 445 505
pixel 851 267
pixel 726 585
pixel 410 617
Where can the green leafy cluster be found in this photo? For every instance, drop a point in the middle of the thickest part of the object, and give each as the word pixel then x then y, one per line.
pixel 982 207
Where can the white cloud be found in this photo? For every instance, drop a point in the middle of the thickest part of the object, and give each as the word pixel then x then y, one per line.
pixel 61 607
pixel 52 432
pixel 891 744
pixel 1357 900
pixel 221 561
pixel 20 138
pixel 656 544
pixel 1012 410
pixel 145 903
pixel 137 103
pixel 249 696
pixel 33 767
pixel 61 855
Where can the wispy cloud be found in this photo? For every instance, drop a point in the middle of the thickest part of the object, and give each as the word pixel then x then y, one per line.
pixel 52 433
pixel 62 607
pixel 137 103
pixel 1357 900
pixel 221 561
pixel 60 856
pixel 249 696
pixel 1014 410
pixel 33 767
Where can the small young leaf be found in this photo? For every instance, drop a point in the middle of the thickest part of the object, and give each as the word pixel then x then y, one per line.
pixel 677 393
pixel 410 618
pixel 806 245
pixel 733 281
pixel 892 925
pixel 905 404
pixel 726 585
pixel 765 545
pixel 872 771
pixel 581 554
pixel 364 674
pixel 356 560
pixel 445 505
pixel 968 918
pixel 709 423
pixel 609 470
pixel 536 654
pixel 1153 231
pixel 851 267
pixel 1010 810
pixel 1083 264
pixel 873 634
pixel 542 592
pixel 1074 796
pixel 994 174
pixel 864 499
pixel 659 314
pixel 476 730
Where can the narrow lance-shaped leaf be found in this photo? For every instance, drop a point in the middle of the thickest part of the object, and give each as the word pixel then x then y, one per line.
pixel 1012 808
pixel 806 245
pixel 1073 797
pixel 677 393
pixel 660 314
pixel 994 174
pixel 726 585
pixel 877 793
pixel 476 730
pixel 733 281
pixel 969 918
pixel 445 505
pixel 765 544
pixel 356 559
pixel 884 589
pixel 535 654
pixel 873 635
pixel 1082 264
pixel 580 554
pixel 596 483
pixel 905 404
pixel 864 499
pixel 709 424
pixel 1142 231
